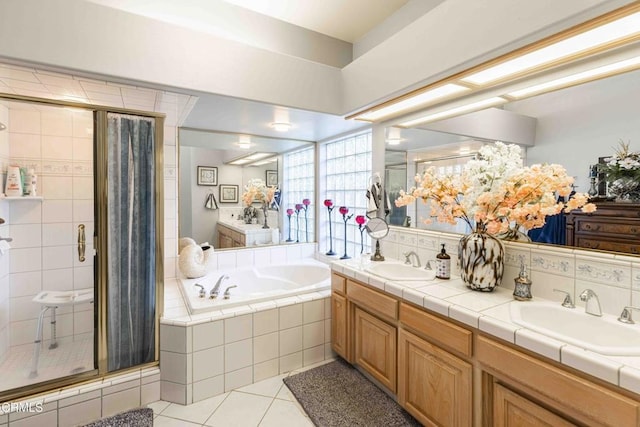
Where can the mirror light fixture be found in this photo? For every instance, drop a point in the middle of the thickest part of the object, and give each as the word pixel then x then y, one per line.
pixel 281 126
pixel 2 126
pixel 615 29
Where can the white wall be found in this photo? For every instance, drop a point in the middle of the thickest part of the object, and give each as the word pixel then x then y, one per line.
pixel 96 39
pixel 583 123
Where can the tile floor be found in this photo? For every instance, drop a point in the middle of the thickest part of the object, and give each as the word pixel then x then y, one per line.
pixel 264 404
pixel 70 357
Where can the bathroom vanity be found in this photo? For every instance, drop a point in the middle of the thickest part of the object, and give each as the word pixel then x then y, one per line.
pixel 446 372
pixel 237 234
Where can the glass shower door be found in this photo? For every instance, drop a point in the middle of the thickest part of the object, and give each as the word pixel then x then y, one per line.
pixel 47 310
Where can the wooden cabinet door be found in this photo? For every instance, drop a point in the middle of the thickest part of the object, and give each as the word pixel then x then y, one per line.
pixel 224 241
pixel 433 385
pixel 375 347
pixel 512 410
pixel 339 325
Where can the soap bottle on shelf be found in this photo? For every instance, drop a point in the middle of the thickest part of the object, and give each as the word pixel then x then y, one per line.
pixel 443 264
pixel 14 183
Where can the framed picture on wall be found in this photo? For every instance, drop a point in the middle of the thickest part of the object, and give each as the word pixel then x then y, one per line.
pixel 207 175
pixel 228 193
pixel 272 178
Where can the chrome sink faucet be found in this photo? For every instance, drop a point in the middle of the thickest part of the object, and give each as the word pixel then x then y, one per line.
pixel 407 256
pixel 216 289
pixel 626 317
pixel 567 302
pixel 592 305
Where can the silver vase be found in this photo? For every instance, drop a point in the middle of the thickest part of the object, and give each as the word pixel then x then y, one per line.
pixel 481 257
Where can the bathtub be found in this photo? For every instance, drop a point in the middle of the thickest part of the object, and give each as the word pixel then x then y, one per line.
pixel 256 284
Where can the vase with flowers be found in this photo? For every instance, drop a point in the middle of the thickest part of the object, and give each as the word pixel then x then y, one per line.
pixel 328 203
pixel 493 193
pixel 257 191
pixel 622 173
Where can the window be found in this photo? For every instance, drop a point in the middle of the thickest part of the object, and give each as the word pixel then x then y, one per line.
pixel 299 172
pixel 347 173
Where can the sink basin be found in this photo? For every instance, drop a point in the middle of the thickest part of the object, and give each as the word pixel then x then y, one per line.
pixel 604 335
pixel 400 272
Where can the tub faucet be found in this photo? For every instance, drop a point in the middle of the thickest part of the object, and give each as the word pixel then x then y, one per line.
pixel 407 260
pixel 201 293
pixel 592 305
pixel 227 292
pixel 216 289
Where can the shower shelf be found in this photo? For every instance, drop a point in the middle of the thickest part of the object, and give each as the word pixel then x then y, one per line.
pixel 38 198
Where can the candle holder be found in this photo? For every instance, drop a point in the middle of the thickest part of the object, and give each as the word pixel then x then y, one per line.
pixel 306 203
pixel 344 211
pixel 264 212
pixel 361 220
pixel 298 209
pixel 329 205
pixel 289 213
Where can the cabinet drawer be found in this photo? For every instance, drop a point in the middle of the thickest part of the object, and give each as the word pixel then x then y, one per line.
pixel 609 227
pixel 603 244
pixel 575 396
pixel 444 333
pixel 338 283
pixel 373 300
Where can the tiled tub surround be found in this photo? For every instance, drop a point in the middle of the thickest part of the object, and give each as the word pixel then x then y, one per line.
pixel 206 354
pixel 89 401
pixel 614 278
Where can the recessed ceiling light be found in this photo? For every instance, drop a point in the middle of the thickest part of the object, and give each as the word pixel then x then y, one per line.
pixel 394 141
pixel 281 126
pixel 244 142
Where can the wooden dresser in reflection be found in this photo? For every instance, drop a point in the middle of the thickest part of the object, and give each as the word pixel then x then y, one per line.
pixel 612 227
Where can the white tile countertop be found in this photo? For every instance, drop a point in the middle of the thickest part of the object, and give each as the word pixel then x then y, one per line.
pixel 490 312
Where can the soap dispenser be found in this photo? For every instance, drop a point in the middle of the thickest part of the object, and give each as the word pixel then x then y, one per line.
pixel 443 264
pixel 522 290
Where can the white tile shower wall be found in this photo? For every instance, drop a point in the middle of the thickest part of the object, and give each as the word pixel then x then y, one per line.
pixel 614 278
pixel 206 359
pixel 44 254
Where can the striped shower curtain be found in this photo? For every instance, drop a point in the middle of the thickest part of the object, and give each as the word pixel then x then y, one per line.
pixel 131 294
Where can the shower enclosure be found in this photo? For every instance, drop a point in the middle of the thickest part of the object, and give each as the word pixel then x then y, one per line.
pixel 80 283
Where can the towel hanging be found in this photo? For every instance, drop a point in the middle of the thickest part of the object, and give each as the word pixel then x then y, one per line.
pixel 211 202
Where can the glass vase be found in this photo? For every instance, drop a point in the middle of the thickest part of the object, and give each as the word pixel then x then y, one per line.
pixel 481 257
pixel 513 234
pixel 625 189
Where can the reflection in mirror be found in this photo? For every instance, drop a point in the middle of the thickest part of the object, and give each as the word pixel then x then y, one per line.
pixel 218 175
pixel 574 127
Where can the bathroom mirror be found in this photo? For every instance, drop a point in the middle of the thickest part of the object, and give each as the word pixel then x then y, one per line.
pixel 574 127
pixel 231 161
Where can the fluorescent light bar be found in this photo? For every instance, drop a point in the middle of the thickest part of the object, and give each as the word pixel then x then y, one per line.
pixel 393 141
pixel 489 102
pixel 607 33
pixel 414 101
pixel 250 158
pixel 581 77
